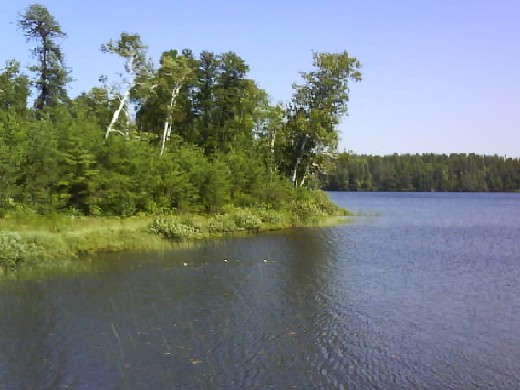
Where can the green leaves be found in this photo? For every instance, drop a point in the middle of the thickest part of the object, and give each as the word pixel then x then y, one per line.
pixel 14 88
pixel 130 47
pixel 204 139
pixel 37 22
pixel 316 109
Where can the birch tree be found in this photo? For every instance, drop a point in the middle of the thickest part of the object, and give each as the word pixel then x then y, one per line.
pixel 133 51
pixel 171 75
pixel 157 106
pixel 316 109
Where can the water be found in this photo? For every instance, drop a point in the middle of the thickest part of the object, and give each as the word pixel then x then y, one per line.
pixel 420 291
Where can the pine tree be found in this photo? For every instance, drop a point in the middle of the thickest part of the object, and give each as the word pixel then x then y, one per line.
pixel 52 75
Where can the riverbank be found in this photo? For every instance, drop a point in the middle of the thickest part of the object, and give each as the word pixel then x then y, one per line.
pixel 39 241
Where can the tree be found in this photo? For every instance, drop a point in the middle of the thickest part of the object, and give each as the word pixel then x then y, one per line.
pixel 14 88
pixel 225 103
pixel 167 105
pixel 204 98
pixel 221 143
pixel 97 103
pixel 133 51
pixel 52 75
pixel 317 107
pixel 38 175
pixel 77 178
pixel 158 103
pixel 230 93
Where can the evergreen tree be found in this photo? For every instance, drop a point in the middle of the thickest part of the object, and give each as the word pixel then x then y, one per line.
pixel 14 89
pixel 52 76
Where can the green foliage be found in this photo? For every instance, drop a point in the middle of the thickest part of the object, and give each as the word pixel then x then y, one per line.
pixel 233 220
pixel 16 248
pixel 222 224
pixel 52 75
pixel 176 228
pixel 162 103
pixel 44 239
pixel 205 140
pixel 30 239
pixel 215 188
pixel 14 89
pixel 247 220
pixel 13 249
pixel 316 108
pixel 309 205
pixel 130 47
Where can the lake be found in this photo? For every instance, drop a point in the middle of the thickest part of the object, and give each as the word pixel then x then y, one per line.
pixel 419 290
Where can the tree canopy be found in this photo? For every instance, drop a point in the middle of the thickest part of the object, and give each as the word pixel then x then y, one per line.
pixel 203 136
pixel 41 27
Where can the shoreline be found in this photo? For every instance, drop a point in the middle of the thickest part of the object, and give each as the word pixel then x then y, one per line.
pixel 48 241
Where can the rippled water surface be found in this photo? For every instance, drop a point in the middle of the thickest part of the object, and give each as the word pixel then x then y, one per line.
pixel 419 291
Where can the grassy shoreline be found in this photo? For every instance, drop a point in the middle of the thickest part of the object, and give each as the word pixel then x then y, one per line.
pixel 39 241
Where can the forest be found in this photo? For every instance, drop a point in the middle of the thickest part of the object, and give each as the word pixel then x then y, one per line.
pixel 422 172
pixel 191 133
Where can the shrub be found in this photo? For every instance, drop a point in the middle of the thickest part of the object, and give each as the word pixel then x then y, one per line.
pixel 221 224
pixel 246 220
pixel 272 217
pixel 174 228
pixel 307 205
pixel 13 249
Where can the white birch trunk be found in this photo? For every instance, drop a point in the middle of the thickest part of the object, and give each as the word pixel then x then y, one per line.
pixel 122 103
pixel 303 180
pixel 163 138
pixel 167 130
pixel 306 174
pixel 115 117
pixel 273 139
pixel 298 160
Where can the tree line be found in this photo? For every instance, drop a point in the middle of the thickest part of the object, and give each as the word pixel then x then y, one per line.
pixel 190 133
pixel 422 172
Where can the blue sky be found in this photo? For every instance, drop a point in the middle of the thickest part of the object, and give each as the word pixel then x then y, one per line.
pixel 439 75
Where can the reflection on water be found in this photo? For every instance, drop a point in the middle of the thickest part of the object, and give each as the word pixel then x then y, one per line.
pixel 421 294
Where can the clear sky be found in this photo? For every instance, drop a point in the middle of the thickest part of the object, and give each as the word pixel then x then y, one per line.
pixel 439 75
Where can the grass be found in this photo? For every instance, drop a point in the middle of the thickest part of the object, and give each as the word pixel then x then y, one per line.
pixel 38 240
pixel 34 240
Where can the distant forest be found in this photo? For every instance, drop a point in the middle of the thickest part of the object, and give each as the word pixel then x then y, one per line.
pixel 422 172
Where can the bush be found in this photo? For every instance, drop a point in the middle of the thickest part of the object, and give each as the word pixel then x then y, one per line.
pixel 16 249
pixel 13 249
pixel 222 224
pixel 307 205
pixel 272 217
pixel 175 228
pixel 246 220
